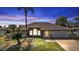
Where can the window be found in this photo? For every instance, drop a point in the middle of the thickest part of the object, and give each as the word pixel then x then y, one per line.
pixel 30 32
pixel 35 32
pixel 39 32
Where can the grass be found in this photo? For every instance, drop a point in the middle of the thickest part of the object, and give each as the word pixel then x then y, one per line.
pixel 2 40
pixel 41 45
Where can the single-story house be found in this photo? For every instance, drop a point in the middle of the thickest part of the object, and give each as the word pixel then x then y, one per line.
pixel 47 30
pixel 44 30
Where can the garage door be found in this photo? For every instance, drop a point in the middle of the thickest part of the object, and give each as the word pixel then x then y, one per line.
pixel 60 34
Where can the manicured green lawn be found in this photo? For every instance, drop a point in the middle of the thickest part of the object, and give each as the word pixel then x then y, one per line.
pixel 1 40
pixel 41 45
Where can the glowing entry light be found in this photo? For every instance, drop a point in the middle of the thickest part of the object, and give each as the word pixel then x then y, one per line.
pixel 46 33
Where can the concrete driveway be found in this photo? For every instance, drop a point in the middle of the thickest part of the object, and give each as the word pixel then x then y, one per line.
pixel 69 45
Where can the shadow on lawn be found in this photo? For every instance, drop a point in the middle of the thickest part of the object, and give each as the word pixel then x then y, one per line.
pixel 25 46
pixel 14 48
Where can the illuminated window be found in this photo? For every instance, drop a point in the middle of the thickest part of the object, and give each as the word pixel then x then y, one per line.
pixel 34 31
pixel 47 33
pixel 30 32
pixel 39 32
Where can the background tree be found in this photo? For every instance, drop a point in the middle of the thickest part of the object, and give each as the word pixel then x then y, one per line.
pixel 76 21
pixel 5 27
pixel 62 21
pixel 70 23
pixel 12 27
pixel 0 26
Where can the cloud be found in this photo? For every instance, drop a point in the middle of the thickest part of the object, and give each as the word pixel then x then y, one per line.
pixel 10 18
pixel 21 19
pixel 16 19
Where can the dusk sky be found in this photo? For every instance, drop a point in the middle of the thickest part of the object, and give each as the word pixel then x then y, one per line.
pixel 11 15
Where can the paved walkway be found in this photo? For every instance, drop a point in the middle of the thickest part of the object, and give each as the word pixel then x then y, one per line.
pixel 69 45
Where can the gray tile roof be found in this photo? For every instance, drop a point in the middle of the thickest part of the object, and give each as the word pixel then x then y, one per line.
pixel 47 26
pixel 43 26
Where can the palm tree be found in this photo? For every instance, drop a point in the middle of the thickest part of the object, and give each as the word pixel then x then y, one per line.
pixel 62 21
pixel 76 19
pixel 18 35
pixel 75 23
pixel 26 9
